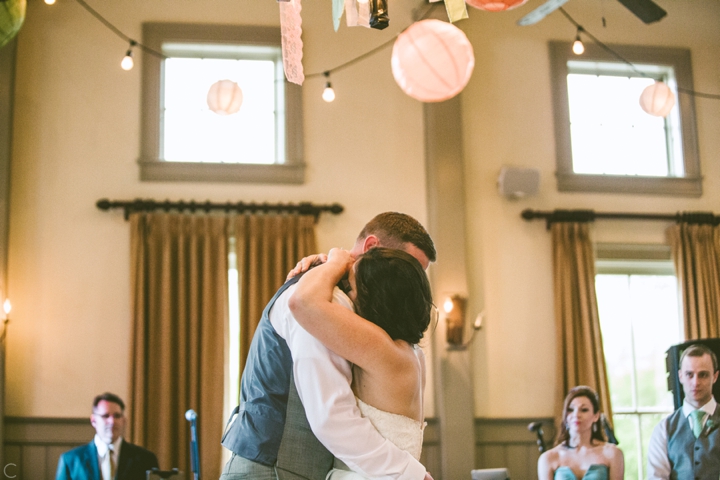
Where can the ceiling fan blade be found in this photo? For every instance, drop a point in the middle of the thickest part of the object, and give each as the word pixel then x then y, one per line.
pixel 646 10
pixel 541 12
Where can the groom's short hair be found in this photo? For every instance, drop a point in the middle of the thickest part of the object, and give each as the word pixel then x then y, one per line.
pixel 393 229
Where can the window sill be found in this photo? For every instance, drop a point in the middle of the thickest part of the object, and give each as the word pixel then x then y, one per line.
pixel 676 186
pixel 162 171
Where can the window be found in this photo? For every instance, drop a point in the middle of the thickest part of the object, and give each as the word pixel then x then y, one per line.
pixel 183 140
pixel 605 141
pixel 639 317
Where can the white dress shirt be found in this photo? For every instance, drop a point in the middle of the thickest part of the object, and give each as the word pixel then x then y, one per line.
pixel 102 449
pixel 323 383
pixel 658 464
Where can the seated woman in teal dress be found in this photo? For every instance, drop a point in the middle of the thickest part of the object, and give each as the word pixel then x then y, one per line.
pixel 581 452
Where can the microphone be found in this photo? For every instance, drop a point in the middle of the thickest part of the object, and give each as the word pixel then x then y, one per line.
pixel 534 426
pixel 537 428
pixel 191 417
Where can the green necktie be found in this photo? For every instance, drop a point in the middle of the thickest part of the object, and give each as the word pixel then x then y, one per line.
pixel 697 426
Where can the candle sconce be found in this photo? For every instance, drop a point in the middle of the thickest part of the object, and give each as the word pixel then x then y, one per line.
pixel 7 306
pixel 455 312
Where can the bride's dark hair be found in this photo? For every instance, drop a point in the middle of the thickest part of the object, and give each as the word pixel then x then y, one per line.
pixel 393 292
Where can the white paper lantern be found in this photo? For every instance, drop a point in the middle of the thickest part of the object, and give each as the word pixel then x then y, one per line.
pixel 432 60
pixel 225 97
pixel 657 99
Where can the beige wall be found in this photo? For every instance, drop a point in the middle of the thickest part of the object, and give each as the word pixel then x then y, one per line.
pixel 76 140
pixel 507 117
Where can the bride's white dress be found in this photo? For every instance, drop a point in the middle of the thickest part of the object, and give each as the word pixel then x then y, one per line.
pixel 403 431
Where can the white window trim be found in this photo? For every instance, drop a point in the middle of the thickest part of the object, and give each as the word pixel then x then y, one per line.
pixel 153 168
pixel 690 185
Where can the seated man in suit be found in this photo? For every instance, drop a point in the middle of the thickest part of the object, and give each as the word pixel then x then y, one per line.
pixel 108 456
pixel 686 444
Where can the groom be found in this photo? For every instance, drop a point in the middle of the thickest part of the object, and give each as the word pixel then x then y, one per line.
pixel 272 435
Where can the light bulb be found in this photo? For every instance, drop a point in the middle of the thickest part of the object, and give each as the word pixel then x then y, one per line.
pixel 578 48
pixel 50 2
pixel 328 94
pixel 7 306
pixel 127 61
pixel 448 305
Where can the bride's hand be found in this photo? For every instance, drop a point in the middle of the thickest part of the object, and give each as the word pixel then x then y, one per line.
pixel 342 258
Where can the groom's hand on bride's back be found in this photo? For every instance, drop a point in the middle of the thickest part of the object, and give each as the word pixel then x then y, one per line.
pixel 306 264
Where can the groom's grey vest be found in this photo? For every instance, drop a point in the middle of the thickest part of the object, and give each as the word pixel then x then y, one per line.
pixel 690 457
pixel 271 427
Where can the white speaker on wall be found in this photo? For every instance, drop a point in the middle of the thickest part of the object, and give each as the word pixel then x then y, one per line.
pixel 518 182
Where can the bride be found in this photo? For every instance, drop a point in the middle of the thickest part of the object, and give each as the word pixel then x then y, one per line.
pixel 581 452
pixel 393 302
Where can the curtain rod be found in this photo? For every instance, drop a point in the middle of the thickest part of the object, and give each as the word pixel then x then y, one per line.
pixel 142 205
pixel 702 218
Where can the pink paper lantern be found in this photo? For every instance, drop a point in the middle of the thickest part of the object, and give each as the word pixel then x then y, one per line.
pixel 657 99
pixel 495 5
pixel 225 97
pixel 432 61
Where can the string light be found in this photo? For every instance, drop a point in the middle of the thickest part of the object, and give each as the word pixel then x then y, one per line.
pixel 127 62
pixel 578 48
pixel 50 2
pixel 328 94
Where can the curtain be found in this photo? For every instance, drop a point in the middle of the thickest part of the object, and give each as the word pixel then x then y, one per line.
pixel 696 254
pixel 180 298
pixel 267 248
pixel 180 308
pixel 580 356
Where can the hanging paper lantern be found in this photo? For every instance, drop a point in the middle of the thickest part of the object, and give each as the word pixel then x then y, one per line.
pixel 12 15
pixel 432 60
pixel 657 99
pixel 225 97
pixel 495 5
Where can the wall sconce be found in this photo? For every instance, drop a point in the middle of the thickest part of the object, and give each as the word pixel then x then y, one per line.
pixel 7 306
pixel 454 307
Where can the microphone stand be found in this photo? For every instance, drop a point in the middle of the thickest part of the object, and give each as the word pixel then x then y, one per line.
pixel 191 416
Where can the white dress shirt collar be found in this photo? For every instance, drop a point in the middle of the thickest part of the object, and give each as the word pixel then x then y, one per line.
pixel 102 448
pixel 708 408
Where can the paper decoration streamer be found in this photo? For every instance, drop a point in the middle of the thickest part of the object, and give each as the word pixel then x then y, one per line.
pixel 357 14
pixel 337 10
pixel 12 15
pixel 292 46
pixel 456 10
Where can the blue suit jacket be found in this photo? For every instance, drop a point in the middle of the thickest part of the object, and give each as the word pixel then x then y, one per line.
pixel 81 463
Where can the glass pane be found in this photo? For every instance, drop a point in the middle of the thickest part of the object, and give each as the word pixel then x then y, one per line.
pixel 647 425
pixel 614 305
pixel 626 431
pixel 654 311
pixel 610 134
pixel 193 133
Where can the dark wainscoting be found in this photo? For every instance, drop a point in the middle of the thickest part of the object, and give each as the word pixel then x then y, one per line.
pixel 33 445
pixel 506 442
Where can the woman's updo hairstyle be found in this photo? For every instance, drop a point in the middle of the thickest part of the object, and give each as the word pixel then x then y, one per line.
pixel 590 394
pixel 393 292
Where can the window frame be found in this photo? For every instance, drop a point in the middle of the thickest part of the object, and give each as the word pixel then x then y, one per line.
pixel 689 185
pixel 154 168
pixel 635 259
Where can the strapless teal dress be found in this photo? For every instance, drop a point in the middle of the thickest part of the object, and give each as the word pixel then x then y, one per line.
pixel 595 472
